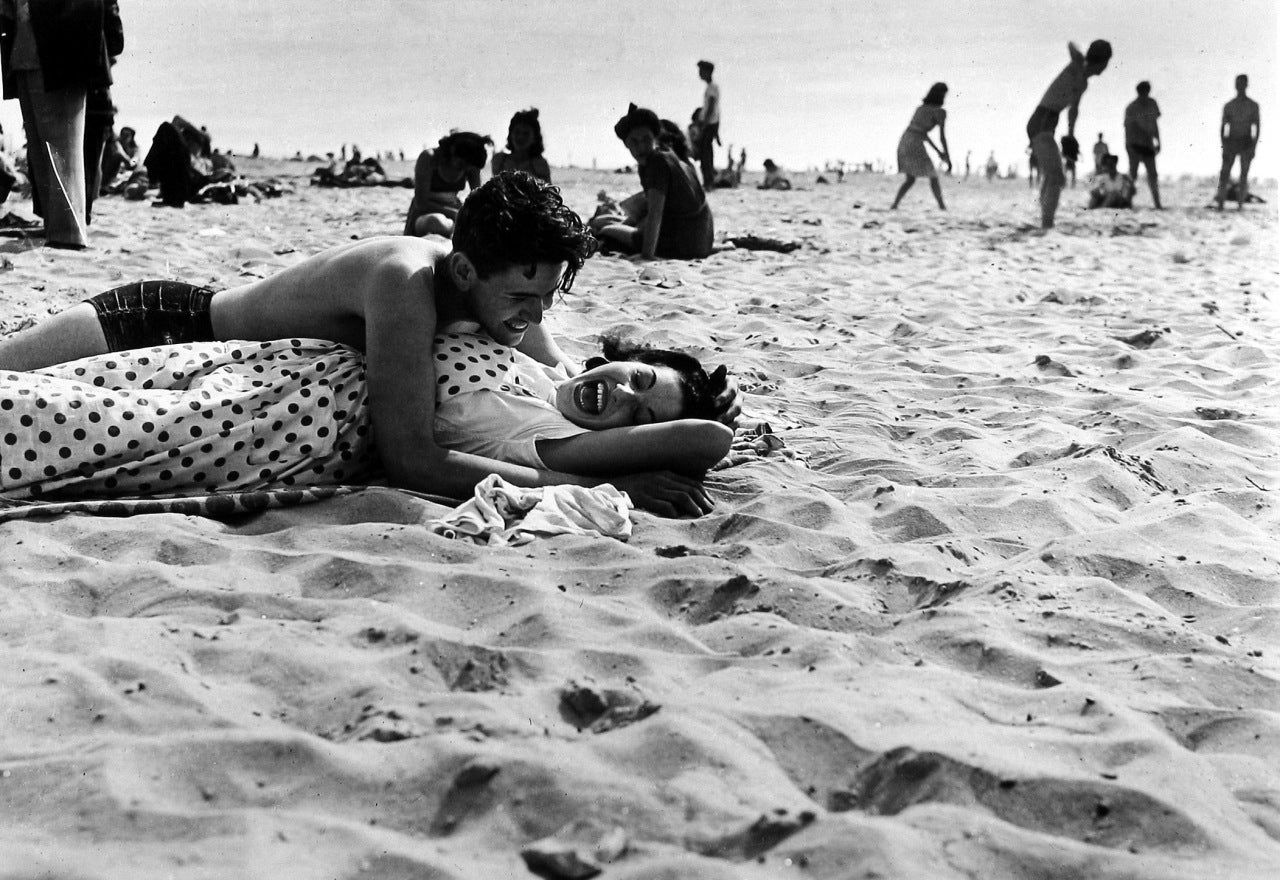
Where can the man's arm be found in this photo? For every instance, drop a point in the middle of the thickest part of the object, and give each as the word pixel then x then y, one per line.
pixel 1257 124
pixel 1072 113
pixel 539 344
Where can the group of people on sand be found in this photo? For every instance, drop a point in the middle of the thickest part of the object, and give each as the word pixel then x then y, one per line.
pixel 320 374
pixel 669 218
pixel 1239 132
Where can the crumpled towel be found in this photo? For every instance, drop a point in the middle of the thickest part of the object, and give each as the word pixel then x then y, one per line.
pixel 502 514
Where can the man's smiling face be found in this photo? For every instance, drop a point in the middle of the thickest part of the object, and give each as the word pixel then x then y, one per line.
pixel 508 301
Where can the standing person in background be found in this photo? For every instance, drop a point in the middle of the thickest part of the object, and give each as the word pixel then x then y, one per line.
pixel 709 130
pixel 1142 138
pixel 1064 93
pixel 913 159
pixel 1100 152
pixel 53 53
pixel 1241 125
pixel 524 147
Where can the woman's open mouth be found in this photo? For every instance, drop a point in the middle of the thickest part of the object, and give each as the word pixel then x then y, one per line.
pixel 591 397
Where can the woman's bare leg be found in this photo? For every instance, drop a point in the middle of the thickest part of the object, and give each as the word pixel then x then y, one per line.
pixel 627 238
pixel 66 336
pixel 936 186
pixel 433 224
pixel 902 191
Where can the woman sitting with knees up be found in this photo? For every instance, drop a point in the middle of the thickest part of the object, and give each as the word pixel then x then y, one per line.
pixel 439 176
pixel 677 222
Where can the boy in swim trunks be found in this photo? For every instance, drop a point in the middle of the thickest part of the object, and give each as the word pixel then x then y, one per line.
pixel 516 246
pixel 1241 125
pixel 1064 93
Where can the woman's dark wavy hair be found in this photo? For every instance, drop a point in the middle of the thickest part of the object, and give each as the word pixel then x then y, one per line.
pixel 937 92
pixel 637 117
pixel 515 219
pixel 699 388
pixel 530 118
pixel 466 145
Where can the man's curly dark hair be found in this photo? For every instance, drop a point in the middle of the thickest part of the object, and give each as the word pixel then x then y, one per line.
pixel 699 389
pixel 515 219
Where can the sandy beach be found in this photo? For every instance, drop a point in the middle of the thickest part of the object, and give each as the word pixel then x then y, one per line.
pixel 1004 604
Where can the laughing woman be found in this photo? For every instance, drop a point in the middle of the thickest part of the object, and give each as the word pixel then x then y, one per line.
pixel 239 416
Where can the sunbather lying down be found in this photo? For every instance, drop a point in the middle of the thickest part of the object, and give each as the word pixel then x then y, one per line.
pixel 235 416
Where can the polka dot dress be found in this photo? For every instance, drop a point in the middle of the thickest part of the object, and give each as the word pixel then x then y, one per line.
pixel 467 362
pixel 184 419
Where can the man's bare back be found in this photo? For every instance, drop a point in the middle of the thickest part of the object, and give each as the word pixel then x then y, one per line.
pixel 328 296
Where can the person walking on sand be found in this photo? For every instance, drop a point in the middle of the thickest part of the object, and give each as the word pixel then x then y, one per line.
pixel 709 125
pixel 1241 126
pixel 1064 93
pixel 913 159
pixel 1142 138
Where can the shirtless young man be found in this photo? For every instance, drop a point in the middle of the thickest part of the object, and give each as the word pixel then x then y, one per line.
pixel 1064 93
pixel 516 246
pixel 1241 125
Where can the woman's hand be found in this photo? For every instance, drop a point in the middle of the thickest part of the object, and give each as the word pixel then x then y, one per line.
pixel 728 403
pixel 665 493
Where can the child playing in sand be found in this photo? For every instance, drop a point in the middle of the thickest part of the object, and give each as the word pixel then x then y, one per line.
pixel 677 222
pixel 439 176
pixel 913 159
pixel 516 245
pixel 524 147
pixel 1064 93
pixel 240 416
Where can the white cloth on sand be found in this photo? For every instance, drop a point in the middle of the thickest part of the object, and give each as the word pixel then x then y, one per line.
pixel 501 514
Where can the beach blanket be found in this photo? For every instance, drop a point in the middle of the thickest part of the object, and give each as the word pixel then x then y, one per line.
pixel 211 505
pixel 502 514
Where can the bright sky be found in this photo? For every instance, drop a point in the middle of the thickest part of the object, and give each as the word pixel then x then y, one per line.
pixel 803 82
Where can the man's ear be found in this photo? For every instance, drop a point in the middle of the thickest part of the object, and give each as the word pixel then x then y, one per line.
pixel 462 271
pixel 592 362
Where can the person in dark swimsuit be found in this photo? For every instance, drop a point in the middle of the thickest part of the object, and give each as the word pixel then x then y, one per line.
pixel 439 176
pixel 677 222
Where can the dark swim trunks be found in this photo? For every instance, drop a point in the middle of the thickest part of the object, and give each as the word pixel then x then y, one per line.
pixel 1042 121
pixel 149 313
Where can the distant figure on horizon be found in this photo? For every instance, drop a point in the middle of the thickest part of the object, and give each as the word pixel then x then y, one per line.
pixel 1241 126
pixel 708 124
pixel 676 222
pixel 1064 93
pixel 524 147
pixel 913 159
pixel 1100 152
pixel 774 177
pixel 993 167
pixel 1110 188
pixel 439 176
pixel 967 156
pixel 256 151
pixel 1033 169
pixel 1142 138
pixel 1070 155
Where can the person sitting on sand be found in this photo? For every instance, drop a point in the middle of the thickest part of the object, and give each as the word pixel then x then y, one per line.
pixel 677 222
pixel 439 176
pixel 516 246
pixel 292 414
pixel 913 159
pixel 524 147
pixel 774 177
pixel 1064 93
pixel 1111 189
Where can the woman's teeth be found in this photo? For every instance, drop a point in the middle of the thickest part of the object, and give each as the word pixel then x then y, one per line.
pixel 592 397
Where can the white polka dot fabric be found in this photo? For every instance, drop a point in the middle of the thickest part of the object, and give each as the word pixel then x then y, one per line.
pixel 216 416
pixel 467 362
